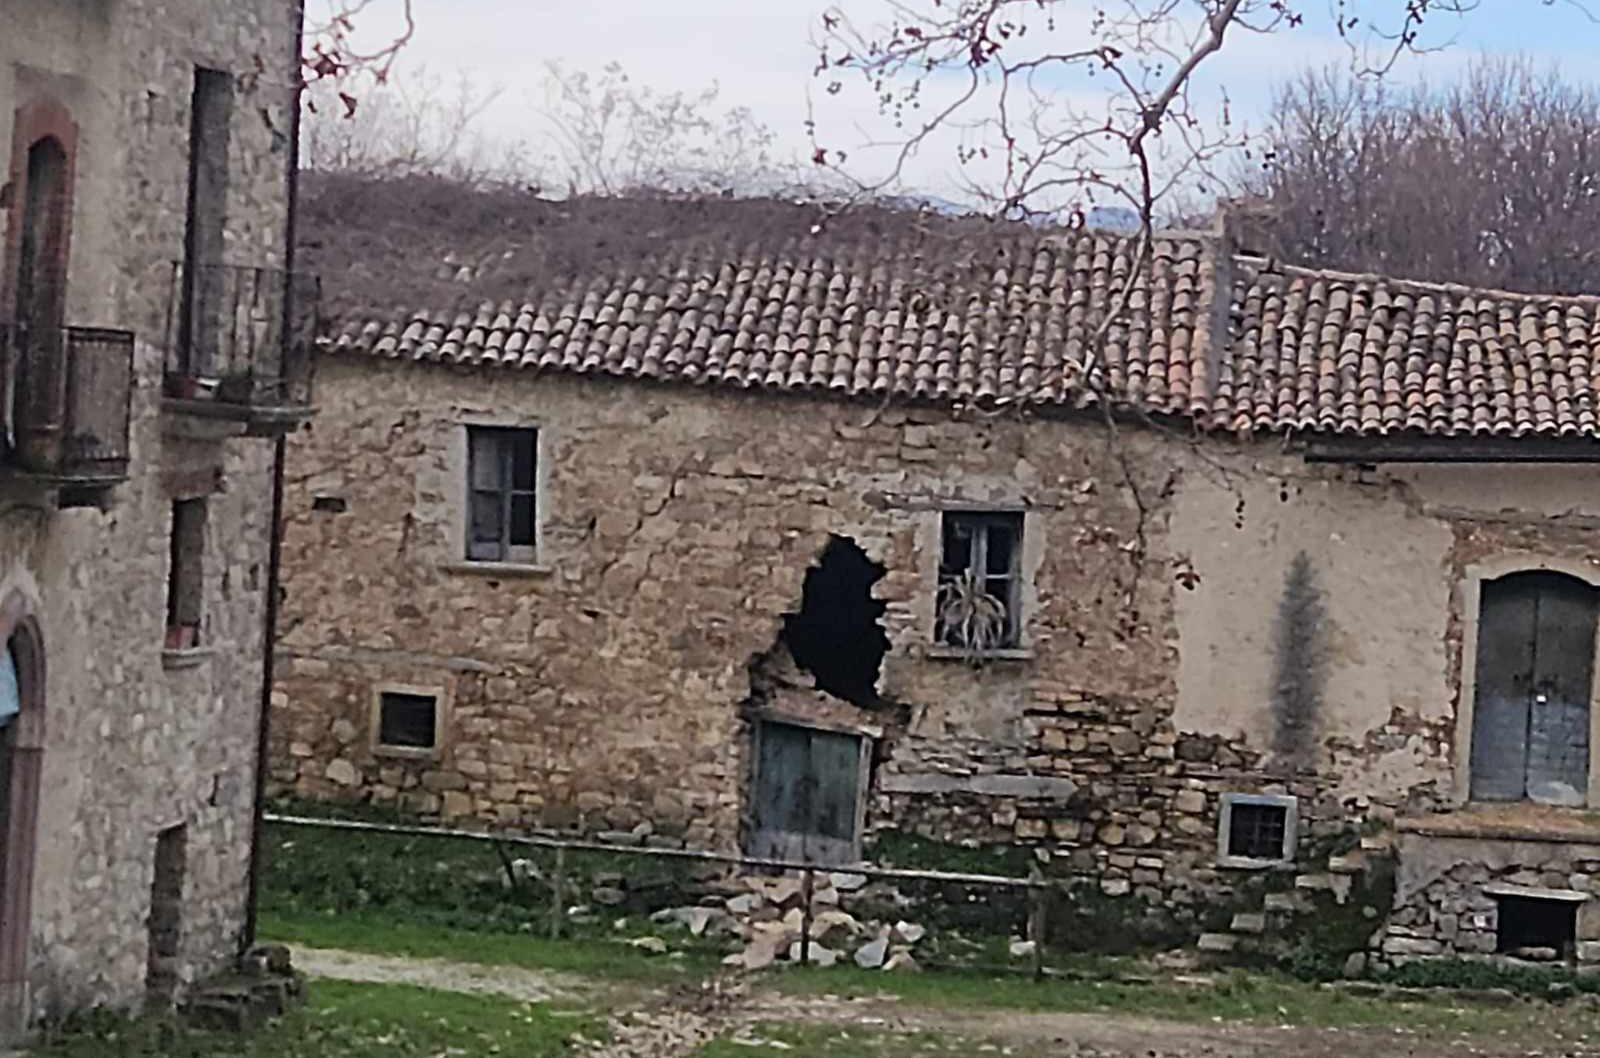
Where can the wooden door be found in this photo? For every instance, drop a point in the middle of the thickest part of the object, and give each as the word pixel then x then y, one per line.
pixel 1535 668
pixel 807 794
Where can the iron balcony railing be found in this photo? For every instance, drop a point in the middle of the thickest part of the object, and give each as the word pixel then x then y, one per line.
pixel 240 338
pixel 69 403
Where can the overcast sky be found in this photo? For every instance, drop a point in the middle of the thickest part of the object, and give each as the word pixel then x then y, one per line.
pixel 760 54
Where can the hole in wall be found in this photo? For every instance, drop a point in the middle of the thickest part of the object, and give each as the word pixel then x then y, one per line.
pixel 836 635
pixel 329 504
pixel 1534 927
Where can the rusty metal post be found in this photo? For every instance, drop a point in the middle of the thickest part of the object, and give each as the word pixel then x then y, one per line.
pixel 806 882
pixel 557 884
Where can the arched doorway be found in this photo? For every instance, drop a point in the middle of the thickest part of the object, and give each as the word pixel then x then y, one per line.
pixel 22 714
pixel 1533 687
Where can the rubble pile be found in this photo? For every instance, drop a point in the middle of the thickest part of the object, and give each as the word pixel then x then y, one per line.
pixel 767 915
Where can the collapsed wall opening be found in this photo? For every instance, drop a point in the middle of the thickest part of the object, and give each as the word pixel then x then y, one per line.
pixel 836 635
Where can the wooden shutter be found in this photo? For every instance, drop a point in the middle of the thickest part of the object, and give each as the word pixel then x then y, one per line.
pixel 1535 668
pixel 1563 667
pixel 1505 670
pixel 807 796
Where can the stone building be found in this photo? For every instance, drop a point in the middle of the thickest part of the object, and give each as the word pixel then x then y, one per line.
pixel 144 218
pixel 714 523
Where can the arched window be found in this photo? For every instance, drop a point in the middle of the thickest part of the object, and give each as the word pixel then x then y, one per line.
pixel 1534 684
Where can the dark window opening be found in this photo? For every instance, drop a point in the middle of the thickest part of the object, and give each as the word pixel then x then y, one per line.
pixel 1532 927
pixel 836 636
pixel 980 582
pixel 162 972
pixel 329 504
pixel 210 115
pixel 41 282
pixel 807 794
pixel 502 475
pixel 408 721
pixel 1256 831
pixel 186 574
pixel 1535 676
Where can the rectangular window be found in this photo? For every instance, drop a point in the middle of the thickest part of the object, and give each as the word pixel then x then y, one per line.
pixel 979 603
pixel 210 116
pixel 408 721
pixel 502 468
pixel 186 574
pixel 1257 830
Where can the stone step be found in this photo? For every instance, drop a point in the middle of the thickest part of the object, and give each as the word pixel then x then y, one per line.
pixel 1377 842
pixel 1249 922
pixel 1349 863
pixel 1314 882
pixel 1285 903
pixel 1218 942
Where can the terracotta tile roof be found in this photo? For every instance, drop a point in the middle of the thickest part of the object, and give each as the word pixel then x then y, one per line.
pixel 960 311
pixel 1331 352
pixel 1004 320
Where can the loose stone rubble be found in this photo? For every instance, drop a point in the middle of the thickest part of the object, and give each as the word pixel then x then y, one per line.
pixel 766 915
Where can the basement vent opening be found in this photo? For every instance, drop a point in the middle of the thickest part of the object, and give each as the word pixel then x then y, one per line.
pixel 836 635
pixel 1536 928
pixel 329 504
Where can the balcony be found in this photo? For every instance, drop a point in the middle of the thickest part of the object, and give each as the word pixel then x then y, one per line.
pixel 72 388
pixel 239 345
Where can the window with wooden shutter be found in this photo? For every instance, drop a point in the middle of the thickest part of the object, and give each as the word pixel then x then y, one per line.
pixel 502 471
pixel 1534 682
pixel 807 800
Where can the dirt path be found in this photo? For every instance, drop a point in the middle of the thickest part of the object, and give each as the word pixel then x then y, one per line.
pixel 675 1023
pixel 512 982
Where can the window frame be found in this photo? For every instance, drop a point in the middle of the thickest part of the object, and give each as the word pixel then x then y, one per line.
pixel 1291 828
pixel 441 720
pixel 507 552
pixel 981 522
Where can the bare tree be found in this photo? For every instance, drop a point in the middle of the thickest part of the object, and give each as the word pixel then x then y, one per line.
pixel 412 124
pixel 1493 181
pixel 615 135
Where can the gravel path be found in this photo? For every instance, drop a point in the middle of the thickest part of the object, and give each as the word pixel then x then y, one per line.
pixel 677 1022
pixel 512 982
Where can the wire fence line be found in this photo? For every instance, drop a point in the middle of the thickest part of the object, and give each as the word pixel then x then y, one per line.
pixel 1035 885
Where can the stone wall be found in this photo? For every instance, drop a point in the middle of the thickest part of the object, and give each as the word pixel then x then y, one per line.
pixel 1172 593
pixel 139 742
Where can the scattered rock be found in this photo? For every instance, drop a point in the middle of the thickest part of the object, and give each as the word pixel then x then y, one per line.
pixel 1022 949
pixel 783 891
pixel 743 904
pixel 846 882
pixel 871 955
pixel 816 954
pixel 760 954
pixel 828 897
pixel 653 945
pixel 698 919
pixel 1355 967
pixel 909 932
pixel 606 896
pixel 902 960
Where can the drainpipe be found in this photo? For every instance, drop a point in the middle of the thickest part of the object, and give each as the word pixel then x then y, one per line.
pixel 275 548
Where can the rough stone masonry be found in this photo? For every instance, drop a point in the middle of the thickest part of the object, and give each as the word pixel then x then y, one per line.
pixel 1230 661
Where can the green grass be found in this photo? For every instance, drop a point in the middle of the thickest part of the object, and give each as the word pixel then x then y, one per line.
pixel 341 1020
pixel 1237 997
pixel 587 955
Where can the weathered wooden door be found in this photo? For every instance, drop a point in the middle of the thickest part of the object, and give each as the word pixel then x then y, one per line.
pixel 807 795
pixel 1535 672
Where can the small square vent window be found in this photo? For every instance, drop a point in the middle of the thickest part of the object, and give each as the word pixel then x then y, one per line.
pixel 408 721
pixel 1256 830
pixel 1532 927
